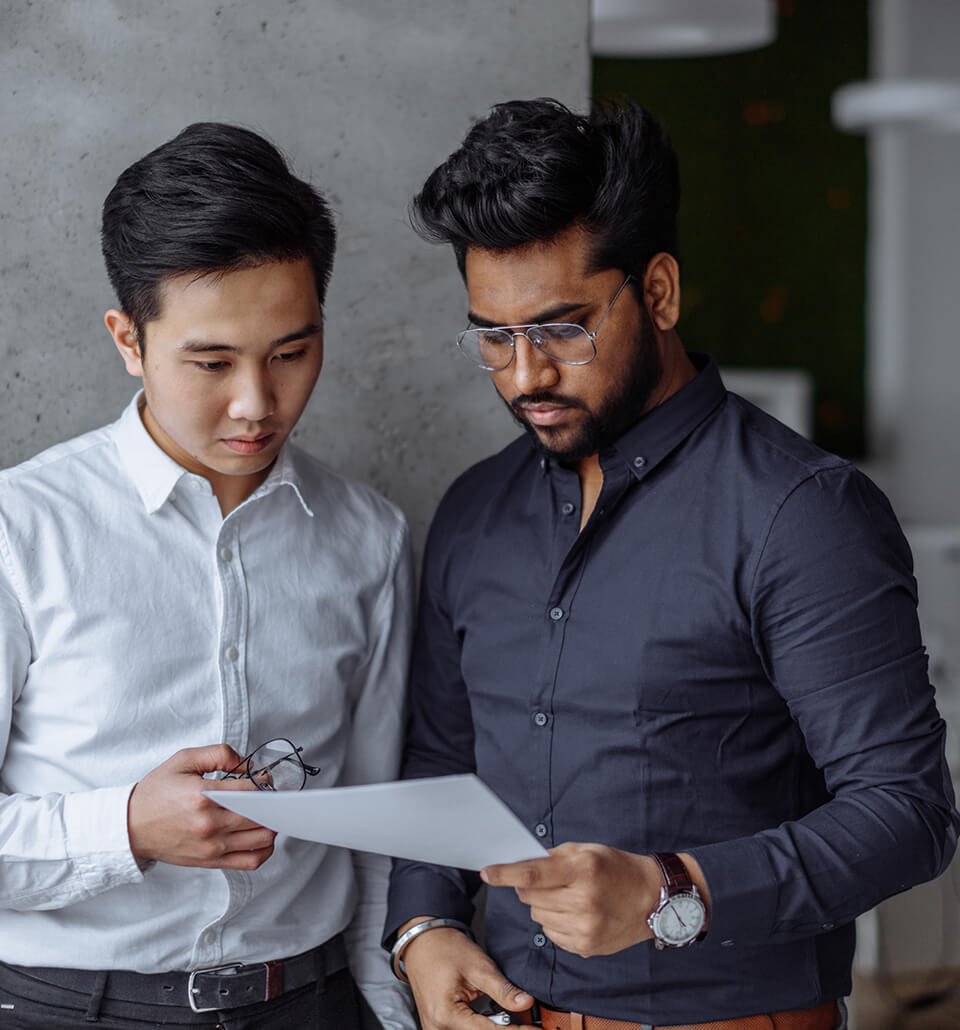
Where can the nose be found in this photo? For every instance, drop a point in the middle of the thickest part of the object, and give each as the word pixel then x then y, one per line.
pixel 532 369
pixel 253 398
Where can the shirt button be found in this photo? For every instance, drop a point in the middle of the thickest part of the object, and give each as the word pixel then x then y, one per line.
pixel 226 554
pixel 539 940
pixel 556 614
pixel 196 484
pixel 232 653
pixel 540 719
pixel 828 926
pixel 540 830
pixel 639 462
pixel 726 944
pixel 568 508
pixel 209 937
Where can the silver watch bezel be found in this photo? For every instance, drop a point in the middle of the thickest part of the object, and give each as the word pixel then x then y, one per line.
pixel 666 899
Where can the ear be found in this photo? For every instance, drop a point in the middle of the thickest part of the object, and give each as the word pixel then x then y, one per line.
pixel 124 334
pixel 661 290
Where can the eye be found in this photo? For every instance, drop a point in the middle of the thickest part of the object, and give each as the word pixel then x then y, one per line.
pixel 561 331
pixel 211 366
pixel 286 357
pixel 494 338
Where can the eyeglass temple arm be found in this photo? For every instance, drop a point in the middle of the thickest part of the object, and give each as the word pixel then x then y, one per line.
pixel 296 751
pixel 593 335
pixel 310 770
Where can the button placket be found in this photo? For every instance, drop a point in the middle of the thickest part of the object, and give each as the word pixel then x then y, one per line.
pixel 233 632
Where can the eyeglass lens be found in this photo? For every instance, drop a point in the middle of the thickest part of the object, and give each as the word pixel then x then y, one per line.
pixel 493 348
pixel 276 765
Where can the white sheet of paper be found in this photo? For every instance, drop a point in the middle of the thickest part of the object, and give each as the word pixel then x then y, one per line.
pixel 451 820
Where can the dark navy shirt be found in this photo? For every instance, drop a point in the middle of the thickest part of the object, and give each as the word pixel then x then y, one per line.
pixel 725 661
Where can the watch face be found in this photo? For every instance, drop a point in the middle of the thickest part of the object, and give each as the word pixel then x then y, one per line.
pixel 680 919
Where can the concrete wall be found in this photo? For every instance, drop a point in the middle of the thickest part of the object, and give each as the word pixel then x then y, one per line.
pixel 365 97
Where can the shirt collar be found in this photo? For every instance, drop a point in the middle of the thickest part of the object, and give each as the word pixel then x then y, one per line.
pixel 663 428
pixel 648 441
pixel 155 474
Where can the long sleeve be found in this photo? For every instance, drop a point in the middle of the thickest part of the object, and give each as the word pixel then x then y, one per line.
pixel 440 742
pixel 373 755
pixel 834 617
pixel 55 849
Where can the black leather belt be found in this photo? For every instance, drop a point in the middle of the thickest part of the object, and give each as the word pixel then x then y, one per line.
pixel 204 990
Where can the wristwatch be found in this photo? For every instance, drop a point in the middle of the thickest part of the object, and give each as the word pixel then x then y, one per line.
pixel 680 914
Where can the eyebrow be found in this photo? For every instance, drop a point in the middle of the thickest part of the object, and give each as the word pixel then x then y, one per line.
pixel 206 346
pixel 548 315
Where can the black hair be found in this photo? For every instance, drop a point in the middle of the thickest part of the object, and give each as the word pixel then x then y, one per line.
pixel 533 168
pixel 214 198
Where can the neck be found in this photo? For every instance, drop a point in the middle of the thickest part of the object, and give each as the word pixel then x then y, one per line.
pixel 678 369
pixel 591 483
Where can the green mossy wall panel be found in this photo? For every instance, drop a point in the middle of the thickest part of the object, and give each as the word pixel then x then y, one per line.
pixel 773 216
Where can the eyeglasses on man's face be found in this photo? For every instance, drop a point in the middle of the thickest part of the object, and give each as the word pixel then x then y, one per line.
pixel 276 765
pixel 493 349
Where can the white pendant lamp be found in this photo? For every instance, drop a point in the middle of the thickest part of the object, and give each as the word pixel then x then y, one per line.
pixel 680 28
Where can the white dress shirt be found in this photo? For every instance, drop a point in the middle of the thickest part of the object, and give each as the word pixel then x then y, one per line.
pixel 136 620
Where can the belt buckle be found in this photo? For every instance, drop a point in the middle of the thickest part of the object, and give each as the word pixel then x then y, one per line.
pixel 191 990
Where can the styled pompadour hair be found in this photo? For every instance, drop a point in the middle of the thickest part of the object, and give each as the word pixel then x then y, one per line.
pixel 533 168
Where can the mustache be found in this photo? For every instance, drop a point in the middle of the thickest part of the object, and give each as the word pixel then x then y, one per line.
pixel 543 397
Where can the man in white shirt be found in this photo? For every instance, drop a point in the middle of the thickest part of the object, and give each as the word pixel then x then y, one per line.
pixel 176 589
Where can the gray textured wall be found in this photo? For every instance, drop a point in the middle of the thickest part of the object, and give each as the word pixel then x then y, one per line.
pixel 365 97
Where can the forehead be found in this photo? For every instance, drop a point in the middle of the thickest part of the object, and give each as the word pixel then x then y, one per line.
pixel 513 286
pixel 238 301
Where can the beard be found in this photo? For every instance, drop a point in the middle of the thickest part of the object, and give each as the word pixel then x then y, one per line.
pixel 599 429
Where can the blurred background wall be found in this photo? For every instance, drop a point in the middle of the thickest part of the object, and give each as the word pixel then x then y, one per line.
pixel 365 97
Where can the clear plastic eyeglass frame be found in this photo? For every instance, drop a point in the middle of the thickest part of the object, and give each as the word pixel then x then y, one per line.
pixel 550 338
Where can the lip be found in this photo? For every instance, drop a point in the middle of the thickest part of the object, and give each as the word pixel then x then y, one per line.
pixel 545 415
pixel 248 444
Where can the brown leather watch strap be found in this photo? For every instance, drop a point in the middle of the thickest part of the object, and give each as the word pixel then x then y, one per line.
pixel 674 872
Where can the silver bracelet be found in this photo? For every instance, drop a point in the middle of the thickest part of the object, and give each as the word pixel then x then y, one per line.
pixel 400 946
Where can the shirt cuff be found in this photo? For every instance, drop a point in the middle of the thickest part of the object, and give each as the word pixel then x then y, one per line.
pixel 742 889
pixel 424 890
pixel 97 838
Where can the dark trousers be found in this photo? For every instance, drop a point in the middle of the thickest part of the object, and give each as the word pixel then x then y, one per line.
pixel 28 1002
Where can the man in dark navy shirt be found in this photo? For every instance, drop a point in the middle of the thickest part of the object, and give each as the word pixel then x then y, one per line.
pixel 676 638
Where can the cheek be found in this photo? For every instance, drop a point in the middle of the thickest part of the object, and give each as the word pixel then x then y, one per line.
pixel 503 384
pixel 187 400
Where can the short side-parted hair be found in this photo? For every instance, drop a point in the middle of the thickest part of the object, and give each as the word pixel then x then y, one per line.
pixel 533 168
pixel 212 199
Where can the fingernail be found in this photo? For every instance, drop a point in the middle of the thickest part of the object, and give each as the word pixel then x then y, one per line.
pixel 483 876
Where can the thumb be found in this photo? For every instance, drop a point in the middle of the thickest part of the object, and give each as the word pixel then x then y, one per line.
pixel 506 994
pixel 212 758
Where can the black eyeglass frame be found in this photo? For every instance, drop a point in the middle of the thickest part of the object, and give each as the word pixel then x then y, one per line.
pixel 239 773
